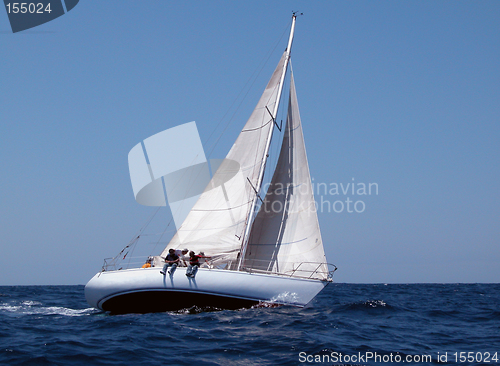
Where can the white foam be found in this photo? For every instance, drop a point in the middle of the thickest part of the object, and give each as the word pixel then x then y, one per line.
pixel 10 308
pixel 34 308
pixel 285 297
pixel 31 303
pixel 57 310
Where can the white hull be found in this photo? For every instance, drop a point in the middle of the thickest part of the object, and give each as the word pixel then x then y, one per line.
pixel 146 290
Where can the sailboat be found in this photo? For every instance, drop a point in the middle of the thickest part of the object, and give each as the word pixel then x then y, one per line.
pixel 263 250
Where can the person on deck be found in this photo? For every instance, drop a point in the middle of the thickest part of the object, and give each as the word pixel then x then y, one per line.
pixel 194 264
pixel 183 255
pixel 204 261
pixel 172 260
pixel 147 264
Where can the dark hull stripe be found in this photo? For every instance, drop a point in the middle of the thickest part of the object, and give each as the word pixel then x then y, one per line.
pixel 160 301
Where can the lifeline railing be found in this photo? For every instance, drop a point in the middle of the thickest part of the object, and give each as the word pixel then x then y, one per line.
pixel 114 264
pixel 308 270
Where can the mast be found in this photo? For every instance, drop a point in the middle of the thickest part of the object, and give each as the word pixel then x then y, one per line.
pixel 246 235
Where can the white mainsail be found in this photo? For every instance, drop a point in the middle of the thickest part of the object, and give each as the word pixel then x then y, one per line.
pixel 285 236
pixel 217 221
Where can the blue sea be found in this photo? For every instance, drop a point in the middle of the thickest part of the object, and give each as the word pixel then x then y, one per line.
pixel 346 324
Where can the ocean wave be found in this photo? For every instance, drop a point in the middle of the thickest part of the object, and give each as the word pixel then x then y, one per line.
pixel 36 308
pixel 367 305
pixel 53 325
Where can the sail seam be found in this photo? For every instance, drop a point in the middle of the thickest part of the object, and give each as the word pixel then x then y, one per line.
pixel 257 128
pixel 223 209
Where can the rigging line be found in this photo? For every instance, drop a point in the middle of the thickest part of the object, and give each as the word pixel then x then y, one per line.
pixel 238 107
pixel 268 143
pixel 266 136
pixel 159 239
pixel 136 237
pixel 266 60
pixel 232 117
pixel 149 221
pixel 249 214
pixel 283 111
pixel 256 159
pixel 132 249
pixel 144 227
pixel 231 120
pixel 154 234
pixel 278 140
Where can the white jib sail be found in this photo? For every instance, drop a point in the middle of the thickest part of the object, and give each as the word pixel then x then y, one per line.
pixel 216 223
pixel 285 236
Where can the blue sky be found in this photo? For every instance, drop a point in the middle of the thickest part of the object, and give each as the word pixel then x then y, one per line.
pixel 401 94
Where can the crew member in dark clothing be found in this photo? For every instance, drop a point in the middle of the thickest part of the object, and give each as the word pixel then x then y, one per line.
pixel 172 260
pixel 194 264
